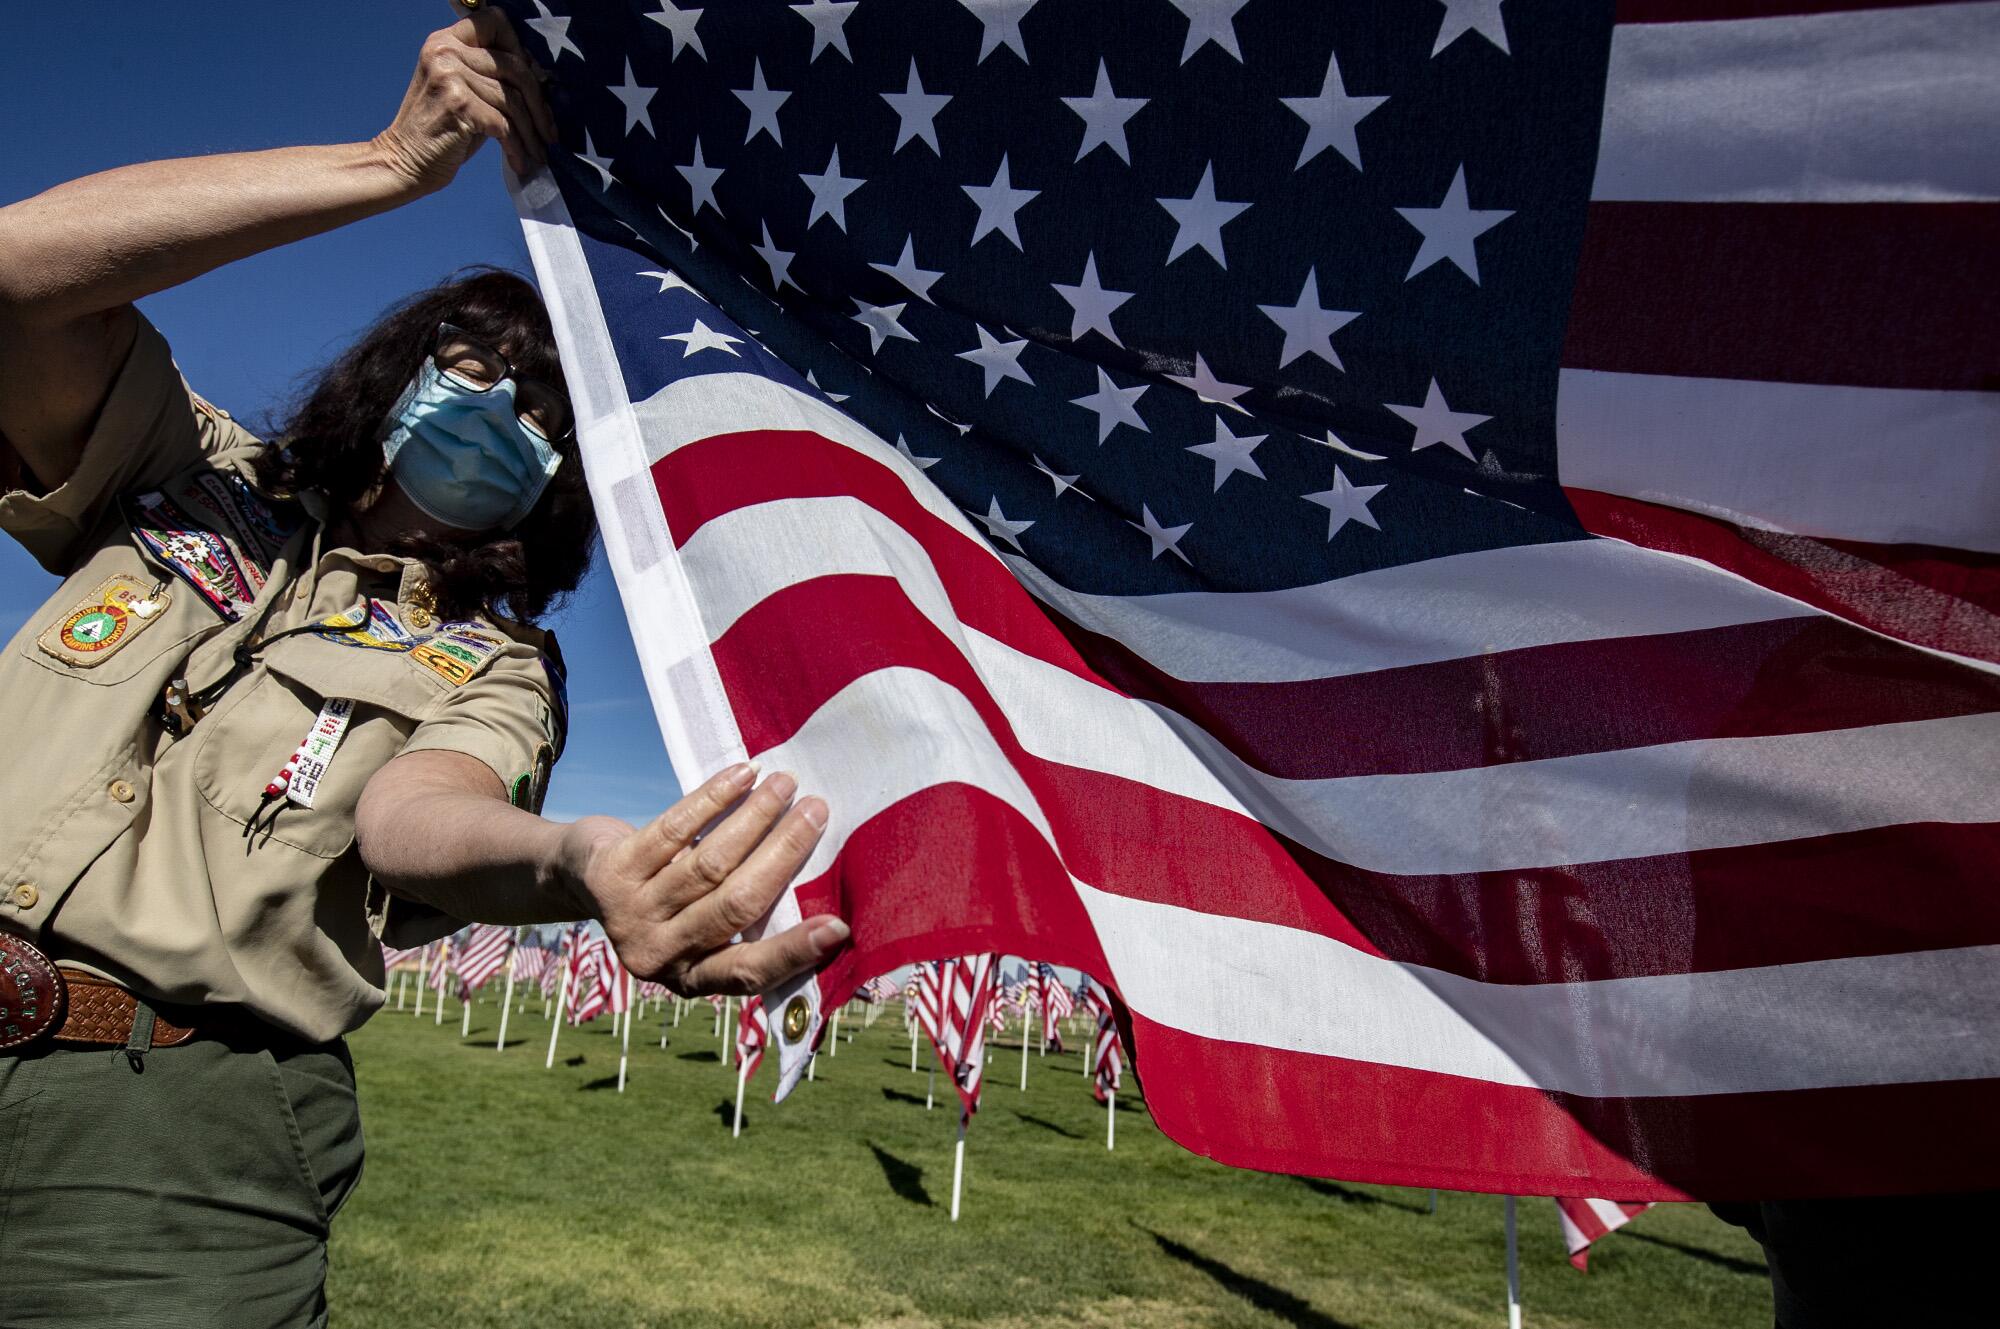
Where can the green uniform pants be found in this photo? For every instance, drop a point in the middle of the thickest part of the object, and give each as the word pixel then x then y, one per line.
pixel 191 1187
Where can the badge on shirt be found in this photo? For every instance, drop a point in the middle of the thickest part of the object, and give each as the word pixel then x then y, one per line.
pixel 458 651
pixel 118 610
pixel 215 533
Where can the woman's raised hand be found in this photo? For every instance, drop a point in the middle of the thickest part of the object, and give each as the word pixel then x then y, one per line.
pixel 473 82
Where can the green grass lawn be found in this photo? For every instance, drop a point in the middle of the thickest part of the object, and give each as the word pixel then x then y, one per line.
pixel 498 1193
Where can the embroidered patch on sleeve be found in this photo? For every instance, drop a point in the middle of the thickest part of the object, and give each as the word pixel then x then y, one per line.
pixel 92 632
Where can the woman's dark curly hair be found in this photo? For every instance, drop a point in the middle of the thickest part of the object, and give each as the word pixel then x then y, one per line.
pixel 333 443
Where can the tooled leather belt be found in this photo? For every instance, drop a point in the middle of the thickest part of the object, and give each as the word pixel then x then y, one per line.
pixel 41 1002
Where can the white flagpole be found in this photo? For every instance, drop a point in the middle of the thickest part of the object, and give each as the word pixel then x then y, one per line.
pixel 833 1043
pixel 727 1052
pixel 666 1015
pixel 812 1063
pixel 423 972
pixel 1513 1272
pixel 958 1167
pixel 402 988
pixel 506 1006
pixel 1024 1049
pixel 742 1074
pixel 913 1048
pixel 930 1090
pixel 555 1025
pixel 465 1015
pixel 625 1049
pixel 677 1012
pixel 1110 1118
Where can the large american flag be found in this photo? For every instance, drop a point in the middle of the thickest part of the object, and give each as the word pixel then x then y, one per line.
pixel 1445 550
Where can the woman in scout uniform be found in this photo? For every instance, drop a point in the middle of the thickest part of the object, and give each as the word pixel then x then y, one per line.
pixel 288 700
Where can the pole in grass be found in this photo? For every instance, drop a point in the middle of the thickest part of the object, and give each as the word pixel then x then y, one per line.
pixel 625 1048
pixel 742 1074
pixel 423 973
pixel 1110 1118
pixel 930 1090
pixel 465 1014
pixel 669 1017
pixel 1024 1047
pixel 1513 1272
pixel 833 1042
pixel 507 998
pixel 402 987
pixel 555 1025
pixel 913 1047
pixel 958 1164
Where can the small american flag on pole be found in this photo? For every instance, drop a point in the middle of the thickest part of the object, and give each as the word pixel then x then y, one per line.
pixel 1448 554
pixel 1584 1221
pixel 483 951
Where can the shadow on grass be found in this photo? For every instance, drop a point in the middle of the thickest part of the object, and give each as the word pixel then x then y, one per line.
pixel 1292 1309
pixel 1716 1258
pixel 603 1082
pixel 701 1056
pixel 1348 1195
pixel 901 1064
pixel 906 1179
pixel 1048 1125
pixel 725 1112
pixel 577 1060
pixel 898 1096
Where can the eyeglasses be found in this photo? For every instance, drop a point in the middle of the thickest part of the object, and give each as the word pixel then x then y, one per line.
pixel 470 363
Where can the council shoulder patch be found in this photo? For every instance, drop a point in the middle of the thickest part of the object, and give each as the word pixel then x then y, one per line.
pixel 92 632
pixel 457 651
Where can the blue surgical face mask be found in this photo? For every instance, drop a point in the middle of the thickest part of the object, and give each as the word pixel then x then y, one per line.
pixel 463 456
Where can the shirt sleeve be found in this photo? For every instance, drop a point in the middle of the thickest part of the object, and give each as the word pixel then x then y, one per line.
pixel 152 425
pixel 508 716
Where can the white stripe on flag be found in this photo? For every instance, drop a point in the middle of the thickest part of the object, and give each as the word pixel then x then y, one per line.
pixel 1736 448
pixel 1806 108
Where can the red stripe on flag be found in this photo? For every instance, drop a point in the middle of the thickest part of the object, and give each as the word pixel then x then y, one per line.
pixel 1934 597
pixel 1279 1111
pixel 1791 292
pixel 1789 676
pixel 1702 11
pixel 1751 905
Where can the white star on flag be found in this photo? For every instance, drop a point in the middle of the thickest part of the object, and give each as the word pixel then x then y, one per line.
pixel 701 178
pixel 554 33
pixel 999 528
pixel 778 260
pixel 1450 228
pixel 669 281
pixel 998 202
pixel 881 322
pixel 1438 423
pixel 1114 405
pixel 1091 305
pixel 1345 502
pixel 680 22
pixel 921 463
pixel 1337 445
pixel 636 99
pixel 762 103
pixel 1308 328
pixel 1331 117
pixel 602 165
pixel 1463 16
pixel 1063 483
pixel 1230 453
pixel 1201 217
pixel 1002 20
pixel 702 337
pixel 835 397
pixel 916 112
pixel 829 23
pixel 997 359
pixel 1104 115
pixel 830 190
pixel 1166 539
pixel 1205 385
pixel 918 281
pixel 1210 21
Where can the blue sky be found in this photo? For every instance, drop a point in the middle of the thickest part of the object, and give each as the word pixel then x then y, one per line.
pixel 86 88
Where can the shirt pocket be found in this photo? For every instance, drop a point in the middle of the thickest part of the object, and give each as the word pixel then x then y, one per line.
pixel 110 650
pixel 250 737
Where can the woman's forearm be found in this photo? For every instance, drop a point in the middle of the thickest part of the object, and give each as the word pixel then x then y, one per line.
pixel 108 239
pixel 428 833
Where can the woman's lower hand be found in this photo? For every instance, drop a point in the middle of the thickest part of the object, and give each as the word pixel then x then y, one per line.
pixel 671 903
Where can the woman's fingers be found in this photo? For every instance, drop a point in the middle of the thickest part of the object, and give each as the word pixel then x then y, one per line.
pixel 668 834
pixel 520 76
pixel 751 886
pixel 507 99
pixel 706 865
pixel 759 966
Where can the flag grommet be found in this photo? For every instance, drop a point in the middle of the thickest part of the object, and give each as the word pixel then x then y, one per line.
pixel 798 1015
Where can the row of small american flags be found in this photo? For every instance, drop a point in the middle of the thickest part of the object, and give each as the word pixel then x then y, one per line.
pixel 1446 552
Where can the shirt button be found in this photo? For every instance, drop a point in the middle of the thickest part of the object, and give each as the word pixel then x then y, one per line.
pixel 25 896
pixel 417 616
pixel 121 791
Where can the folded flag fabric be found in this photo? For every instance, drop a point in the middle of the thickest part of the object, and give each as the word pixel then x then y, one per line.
pixel 1584 1221
pixel 1445 553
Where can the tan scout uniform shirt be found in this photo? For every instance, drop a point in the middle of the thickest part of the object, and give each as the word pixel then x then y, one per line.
pixel 159 860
